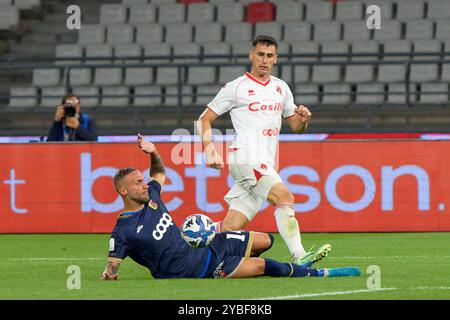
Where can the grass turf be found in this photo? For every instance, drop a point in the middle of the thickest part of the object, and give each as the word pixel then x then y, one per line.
pixel 413 266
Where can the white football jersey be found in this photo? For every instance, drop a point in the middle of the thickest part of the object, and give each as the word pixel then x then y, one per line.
pixel 256 109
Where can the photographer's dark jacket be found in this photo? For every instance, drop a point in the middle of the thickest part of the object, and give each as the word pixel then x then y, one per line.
pixel 86 131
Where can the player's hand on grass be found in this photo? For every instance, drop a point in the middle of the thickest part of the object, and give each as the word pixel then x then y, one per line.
pixel 105 276
pixel 145 146
pixel 302 113
pixel 213 158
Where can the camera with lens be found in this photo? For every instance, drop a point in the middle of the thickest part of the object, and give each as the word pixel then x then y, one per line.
pixel 69 110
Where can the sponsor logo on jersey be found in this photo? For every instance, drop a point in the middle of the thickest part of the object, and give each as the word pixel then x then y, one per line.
pixel 152 204
pixel 218 273
pixel 258 106
pixel 139 228
pixel 251 92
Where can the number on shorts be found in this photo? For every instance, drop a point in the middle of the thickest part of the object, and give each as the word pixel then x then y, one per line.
pixel 236 236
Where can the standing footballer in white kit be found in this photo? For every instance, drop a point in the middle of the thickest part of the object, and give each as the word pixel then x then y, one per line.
pixel 257 102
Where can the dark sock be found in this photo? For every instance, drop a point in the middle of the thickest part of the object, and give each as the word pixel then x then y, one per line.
pixel 279 269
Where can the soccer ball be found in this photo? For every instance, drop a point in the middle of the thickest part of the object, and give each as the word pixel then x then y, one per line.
pixel 198 230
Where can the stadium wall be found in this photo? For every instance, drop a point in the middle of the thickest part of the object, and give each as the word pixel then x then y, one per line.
pixel 339 186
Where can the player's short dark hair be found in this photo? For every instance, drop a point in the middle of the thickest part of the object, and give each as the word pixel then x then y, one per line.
pixel 70 95
pixel 120 174
pixel 267 40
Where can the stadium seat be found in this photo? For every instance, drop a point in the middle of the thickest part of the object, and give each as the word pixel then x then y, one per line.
pixel 240 31
pixel 288 10
pixel 230 12
pixel 445 72
pixel 68 51
pixel 335 47
pixel 227 74
pixel 149 33
pixel 438 9
pixel 26 4
pixel 128 51
pixel 158 2
pixel 208 32
pixel 201 75
pixel 154 97
pixel 115 96
pixel 273 29
pixel 9 17
pixel 356 31
pixel 283 51
pixel 89 95
pixel 171 13
pixel 200 12
pixel 205 94
pixel 301 74
pixel 442 29
pixel 391 30
pixel 120 33
pixel 349 10
pixel 185 49
pixel 187 99
pixel 307 48
pixel 51 96
pixel 6 2
pixel 336 94
pixel 429 71
pixel 410 9
pixel 138 76
pixel 370 93
pixel 386 8
pixel 419 29
pixel 168 75
pixel 46 77
pixel 80 76
pixel 397 93
pixel 179 32
pixel 297 31
pixel 260 12
pixel 306 94
pixel 241 48
pixel 142 13
pixel 327 31
pixel 91 34
pixel 157 53
pixel 220 48
pixel 113 14
pixel 326 73
pixel 319 11
pixel 394 72
pixel 99 51
pixel 108 76
pixel 190 2
pixel 357 73
pixel 434 93
pixel 131 2
pixel 17 93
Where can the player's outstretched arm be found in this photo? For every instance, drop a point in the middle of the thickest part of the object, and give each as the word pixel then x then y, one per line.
pixel 110 272
pixel 299 121
pixel 157 170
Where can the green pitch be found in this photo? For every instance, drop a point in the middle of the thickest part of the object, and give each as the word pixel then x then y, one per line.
pixel 411 265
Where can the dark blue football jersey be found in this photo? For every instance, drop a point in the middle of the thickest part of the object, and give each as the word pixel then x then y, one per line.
pixel 152 239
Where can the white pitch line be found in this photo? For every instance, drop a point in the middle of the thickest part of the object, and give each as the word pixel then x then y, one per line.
pixel 332 293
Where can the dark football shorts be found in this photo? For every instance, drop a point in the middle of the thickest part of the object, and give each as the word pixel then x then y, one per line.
pixel 226 252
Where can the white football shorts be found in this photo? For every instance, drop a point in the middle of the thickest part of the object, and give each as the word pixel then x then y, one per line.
pixel 253 181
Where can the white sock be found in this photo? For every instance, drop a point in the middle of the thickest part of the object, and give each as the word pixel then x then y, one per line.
pixel 289 230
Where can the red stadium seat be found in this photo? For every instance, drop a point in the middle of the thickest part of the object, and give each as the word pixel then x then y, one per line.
pixel 191 1
pixel 260 11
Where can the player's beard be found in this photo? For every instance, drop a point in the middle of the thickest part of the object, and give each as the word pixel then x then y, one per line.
pixel 140 200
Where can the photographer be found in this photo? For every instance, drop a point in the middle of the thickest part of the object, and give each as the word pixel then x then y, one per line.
pixel 70 124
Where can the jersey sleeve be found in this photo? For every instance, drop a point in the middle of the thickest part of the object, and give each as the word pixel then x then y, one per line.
pixel 155 186
pixel 289 105
pixel 117 248
pixel 224 101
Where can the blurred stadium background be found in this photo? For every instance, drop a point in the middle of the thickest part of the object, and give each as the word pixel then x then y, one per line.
pixel 152 65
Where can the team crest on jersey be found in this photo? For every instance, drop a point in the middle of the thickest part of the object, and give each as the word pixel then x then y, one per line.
pixel 279 90
pixel 152 204
pixel 263 166
pixel 251 92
